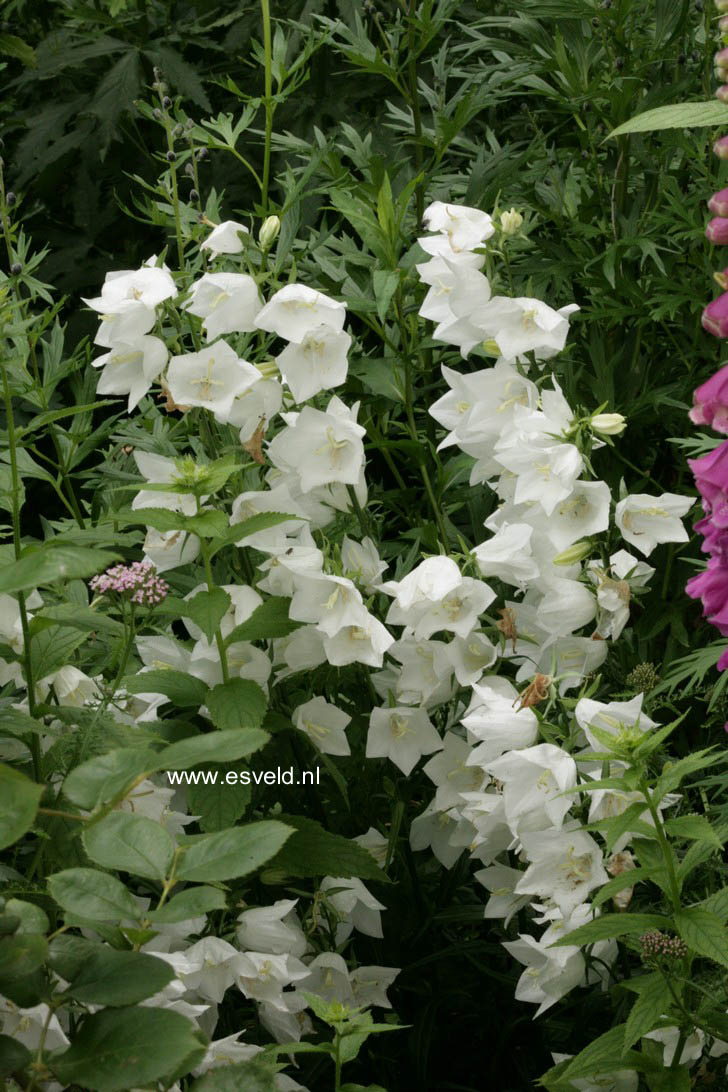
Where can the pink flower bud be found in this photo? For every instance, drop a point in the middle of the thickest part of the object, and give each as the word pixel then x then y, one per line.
pixel 720 63
pixel 718 203
pixel 715 315
pixel 710 402
pixel 722 93
pixel 723 24
pixel 717 230
pixel 721 147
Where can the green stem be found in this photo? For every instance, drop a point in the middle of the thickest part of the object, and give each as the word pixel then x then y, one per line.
pixel 415 104
pixel 219 639
pixel 664 846
pixel 337 1063
pixel 267 103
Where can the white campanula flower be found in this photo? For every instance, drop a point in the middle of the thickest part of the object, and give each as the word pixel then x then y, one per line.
pixel 170 549
pixel 480 405
pixel 11 626
pixel 255 407
pixel 150 285
pixel 316 363
pixel 508 555
pixel 355 905
pixel 302 650
pixel 494 721
pixel 531 326
pixel 225 239
pixel 428 583
pixel 324 724
pixel 161 470
pixel 244 600
pixel 124 323
pixel 463 227
pixel 534 780
pixel 441 275
pixel 621 719
pixel 32 1026
pixel 403 735
pixel 571 657
pixel 262 976
pixel 470 656
pixel 227 303
pixel 362 562
pixel 207 968
pixel 566 864
pixel 376 844
pixel 321 447
pixel 670 1036
pixel 424 674
pixel 584 512
pixel 565 606
pixel 131 368
pixel 623 1080
pixel 550 972
pixel 363 640
pixel 546 468
pixel 646 521
pixel 369 985
pixel 273 929
pixel 73 687
pixel 435 596
pixel 211 378
pixel 500 881
pixel 328 601
pixel 452 773
pixel 433 829
pixel 295 310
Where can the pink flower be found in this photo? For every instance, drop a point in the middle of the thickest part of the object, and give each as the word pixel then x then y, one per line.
pixel 722 92
pixel 715 315
pixel 711 587
pixel 718 203
pixel 721 147
pixel 711 473
pixel 710 400
pixel 138 583
pixel 717 230
pixel 720 64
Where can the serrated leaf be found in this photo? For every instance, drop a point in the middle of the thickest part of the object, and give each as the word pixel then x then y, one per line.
pixel 238 703
pixel 181 689
pixel 12 46
pixel 92 895
pixel 207 609
pixel 190 903
pixel 313 851
pixel 19 799
pixel 47 564
pixel 100 779
pixel 130 843
pixel 704 933
pixel 653 1001
pixel 694 827
pixel 268 620
pixel 612 925
pixel 227 745
pixel 231 853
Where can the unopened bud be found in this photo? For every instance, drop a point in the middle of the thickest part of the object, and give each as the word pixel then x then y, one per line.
pixel 720 64
pixel 716 230
pixel 510 222
pixel 10 199
pixel 171 156
pixel 718 203
pixel 157 113
pixel 166 102
pixel 720 148
pixel 491 348
pixel 194 195
pixel 609 424
pixel 574 553
pixel 722 93
pixel 269 232
pixel 189 170
pixel 715 316
pixel 16 269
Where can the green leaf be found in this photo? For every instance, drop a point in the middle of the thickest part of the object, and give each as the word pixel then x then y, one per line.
pixel 130 843
pixel 681 115
pixel 653 1001
pixel 92 895
pixel 674 772
pixel 703 933
pixel 238 703
pixel 219 805
pixel 717 903
pixel 225 746
pixel 115 93
pixel 612 925
pixel 630 878
pixel 181 689
pixel 262 521
pixel 603 1056
pixel 12 46
pixel 117 1049
pixel 313 851
pixel 22 954
pixel 32 918
pixel 47 564
pixel 255 1075
pixel 207 609
pixel 695 827
pixel 385 283
pixel 190 903
pixel 101 779
pixel 14 1056
pixel 268 620
pixel 209 524
pixel 19 799
pixel 229 854
pixel 100 975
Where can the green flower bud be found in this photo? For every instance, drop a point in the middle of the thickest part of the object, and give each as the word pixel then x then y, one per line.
pixel 574 553
pixel 609 424
pixel 269 232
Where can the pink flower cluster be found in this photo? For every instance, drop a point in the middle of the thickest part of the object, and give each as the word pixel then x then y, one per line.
pixel 710 407
pixel 137 582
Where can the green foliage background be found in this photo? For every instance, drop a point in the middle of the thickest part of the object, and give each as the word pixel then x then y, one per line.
pixel 516 101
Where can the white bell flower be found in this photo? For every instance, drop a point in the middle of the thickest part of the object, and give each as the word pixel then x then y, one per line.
pixel 355 905
pixel 362 562
pixel 211 378
pixel 324 724
pixel 428 583
pixel 131 368
pixel 295 310
pixel 262 976
pixel 534 780
pixel 244 600
pixel 669 1037
pixel 321 447
pixel 370 984
pixel 150 285
pixel 170 549
pixel 161 470
pixel 646 521
pixel 465 228
pixel 440 274
pixel 622 719
pixel 450 771
pixel 508 555
pixel 470 657
pixel 225 239
pixel 403 735
pixel 494 722
pixel 364 640
pixel 316 363
pixel 432 830
pixel 531 326
pixel 480 405
pixel 500 881
pixel 275 929
pixel 566 605
pixel 566 864
pixel 550 972
pixel 584 512
pixel 255 407
pixel 124 323
pixel 227 303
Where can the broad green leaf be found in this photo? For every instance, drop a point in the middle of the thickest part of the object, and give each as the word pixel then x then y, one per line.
pixel 207 609
pixel 681 115
pixel 268 620
pixel 674 772
pixel 190 903
pixel 207 524
pixel 238 703
pixel 704 933
pixel 32 918
pixel 100 975
pixel 313 851
pixel 612 925
pixel 653 1001
pixel 603 1056
pixel 130 843
pixel 630 878
pixel 181 689
pixel 92 895
pixel 47 564
pixel 218 804
pixel 255 1075
pixel 262 521
pixel 229 854
pixel 225 746
pixel 385 283
pixel 695 827
pixel 21 954
pixel 13 1056
pixel 100 779
pixel 19 799
pixel 118 1049
pixel 717 904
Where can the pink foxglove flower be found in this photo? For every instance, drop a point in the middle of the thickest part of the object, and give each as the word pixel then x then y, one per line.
pixel 717 230
pixel 720 148
pixel 710 402
pixel 718 204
